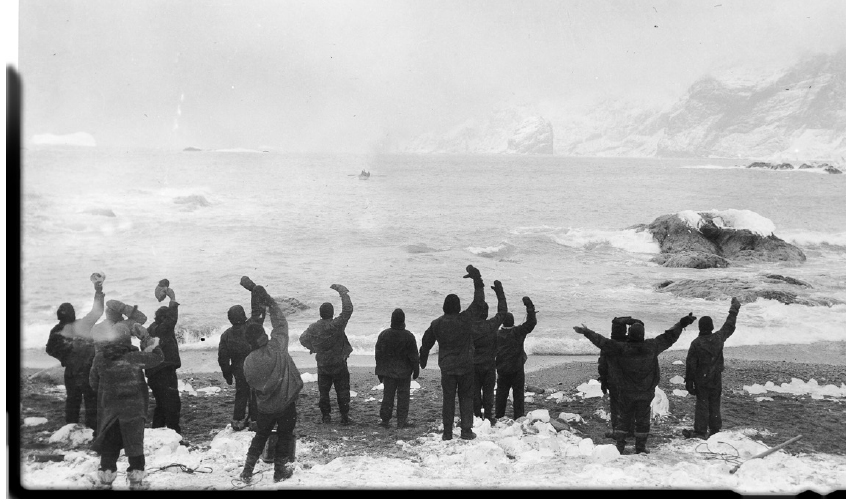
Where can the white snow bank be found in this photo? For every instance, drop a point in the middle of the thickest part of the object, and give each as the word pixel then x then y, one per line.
pixel 799 387
pixel 680 393
pixel 730 219
pixel 308 377
pixel 677 380
pixel 590 389
pixel 33 421
pixel 73 434
pixel 209 390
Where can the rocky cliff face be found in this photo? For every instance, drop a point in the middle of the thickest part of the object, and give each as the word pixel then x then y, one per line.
pixel 796 114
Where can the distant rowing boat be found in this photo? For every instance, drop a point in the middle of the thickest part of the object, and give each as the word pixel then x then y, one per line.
pixel 364 175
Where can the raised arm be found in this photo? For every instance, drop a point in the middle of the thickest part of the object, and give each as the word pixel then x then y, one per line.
pixel 478 305
pixel 82 327
pixel 728 327
pixel 172 313
pixel 501 304
pixel 526 327
pixel 340 322
pixel 671 335
pixel 278 322
pixel 603 343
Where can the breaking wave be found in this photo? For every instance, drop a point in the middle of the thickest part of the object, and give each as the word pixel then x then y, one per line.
pixel 630 240
pixel 501 250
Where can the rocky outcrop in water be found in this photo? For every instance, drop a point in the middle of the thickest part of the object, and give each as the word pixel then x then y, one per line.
pixel 826 167
pixel 785 290
pixel 712 245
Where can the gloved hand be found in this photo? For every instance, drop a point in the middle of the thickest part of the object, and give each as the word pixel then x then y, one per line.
pixel 687 320
pixel 151 345
pixel 338 287
pixel 529 305
pixel 138 331
pixel 691 388
pixel 735 303
pixel 497 287
pixel 247 283
pixel 472 272
pixel 423 360
pixel 580 330
pixel 603 388
pixel 161 289
pixel 228 378
pixel 381 379
pixel 415 374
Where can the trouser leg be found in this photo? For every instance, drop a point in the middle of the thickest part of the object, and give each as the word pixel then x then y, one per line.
pixel 488 384
pixel 390 389
pixel 503 385
pixel 715 419
pixel 478 375
pixel 285 446
pixel 172 401
pixel 110 451
pixel 157 386
pixel 342 390
pixel 519 394
pixel 465 400
pixel 264 426
pixel 73 401
pixel 136 463
pixel 613 402
pixel 324 384
pixel 403 399
pixel 90 398
pixel 242 394
pixel 702 412
pixel 641 416
pixel 449 384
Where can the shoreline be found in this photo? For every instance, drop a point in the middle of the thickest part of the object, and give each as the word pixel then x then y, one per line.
pixel 205 360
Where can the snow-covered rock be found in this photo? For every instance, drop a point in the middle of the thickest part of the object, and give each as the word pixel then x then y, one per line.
pixel 677 380
pixel 73 434
pixel 604 453
pixel 570 417
pixel 309 377
pixel 799 387
pixel 680 393
pixel 762 399
pixel 755 389
pixel 590 389
pixel 209 390
pixel 601 413
pixel 381 386
pixel 586 447
pixel 184 386
pixel 539 414
pixel 33 421
pixel 678 363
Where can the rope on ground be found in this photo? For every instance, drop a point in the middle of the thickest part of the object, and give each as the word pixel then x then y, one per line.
pixel 728 458
pixel 183 468
pixel 239 484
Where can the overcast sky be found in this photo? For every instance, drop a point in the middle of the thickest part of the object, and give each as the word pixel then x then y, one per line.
pixel 346 75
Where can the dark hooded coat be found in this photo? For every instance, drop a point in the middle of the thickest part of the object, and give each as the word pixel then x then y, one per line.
pixel 233 347
pixel 510 354
pixel 270 370
pixel 163 328
pixel 327 339
pixel 396 352
pixel 639 374
pixel 122 393
pixel 453 333
pixel 608 368
pixel 485 337
pixel 704 365
pixel 71 342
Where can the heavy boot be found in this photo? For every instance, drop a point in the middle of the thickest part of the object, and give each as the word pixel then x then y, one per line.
pixel 105 479
pixel 345 419
pixel 640 443
pixel 492 420
pixel 468 434
pixel 283 461
pixel 620 437
pixel 326 419
pixel 447 435
pixel 249 465
pixel 404 424
pixel 136 480
pixel 268 454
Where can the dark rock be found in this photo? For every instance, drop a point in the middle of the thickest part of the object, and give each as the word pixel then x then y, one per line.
pixel 790 280
pixel 54 375
pixel 664 284
pixel 746 290
pixel 191 149
pixel 832 170
pixel 559 425
pixel 105 212
pixel 536 390
pixel 291 305
pixel 711 246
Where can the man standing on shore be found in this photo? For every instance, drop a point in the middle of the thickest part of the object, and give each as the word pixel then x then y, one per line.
pixel 510 360
pixel 704 373
pixel 609 370
pixel 396 365
pixel 638 376
pixel 484 356
pixel 231 352
pixel 271 373
pixel 327 339
pixel 162 377
pixel 452 332
pixel 70 342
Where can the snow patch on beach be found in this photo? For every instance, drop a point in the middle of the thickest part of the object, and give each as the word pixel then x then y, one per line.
pixel 799 387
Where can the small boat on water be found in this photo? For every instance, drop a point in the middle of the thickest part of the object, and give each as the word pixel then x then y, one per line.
pixel 364 175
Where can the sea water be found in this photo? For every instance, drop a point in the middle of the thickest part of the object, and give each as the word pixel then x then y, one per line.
pixel 552 228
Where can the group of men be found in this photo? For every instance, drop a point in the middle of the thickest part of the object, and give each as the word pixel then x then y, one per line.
pixel 104 370
pixel 475 353
pixel 629 373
